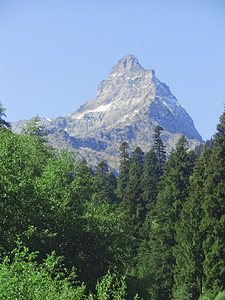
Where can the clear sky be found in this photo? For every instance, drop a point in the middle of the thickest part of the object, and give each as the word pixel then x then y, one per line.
pixel 54 53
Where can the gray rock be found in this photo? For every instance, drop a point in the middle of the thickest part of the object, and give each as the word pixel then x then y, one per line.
pixel 128 106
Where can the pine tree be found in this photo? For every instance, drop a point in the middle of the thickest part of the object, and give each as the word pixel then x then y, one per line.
pixel 150 178
pixel 152 172
pixel 188 251
pixel 104 184
pixel 199 148
pixel 214 214
pixel 172 194
pixel 123 169
pixel 132 202
pixel 149 184
pixel 159 147
pixel 3 123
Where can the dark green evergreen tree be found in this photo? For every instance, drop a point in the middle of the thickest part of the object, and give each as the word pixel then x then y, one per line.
pixel 152 172
pixel 133 208
pixel 173 189
pixel 104 184
pixel 188 251
pixel 3 123
pixel 123 169
pixel 132 201
pixel 159 147
pixel 199 148
pixel 214 214
pixel 149 184
pixel 150 178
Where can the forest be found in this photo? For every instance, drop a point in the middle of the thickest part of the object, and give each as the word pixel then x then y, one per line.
pixel 156 231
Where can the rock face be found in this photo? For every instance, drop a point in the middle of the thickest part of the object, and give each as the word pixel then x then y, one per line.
pixel 128 106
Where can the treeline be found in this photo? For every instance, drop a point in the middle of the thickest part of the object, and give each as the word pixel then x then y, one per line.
pixel 160 223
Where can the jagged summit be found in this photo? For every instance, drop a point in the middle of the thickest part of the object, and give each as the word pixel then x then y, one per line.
pixel 127 64
pixel 129 93
pixel 126 81
pixel 129 104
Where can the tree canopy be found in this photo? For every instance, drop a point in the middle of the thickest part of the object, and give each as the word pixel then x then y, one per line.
pixel 67 231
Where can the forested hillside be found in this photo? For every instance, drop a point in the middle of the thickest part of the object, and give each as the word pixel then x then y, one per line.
pixel 70 232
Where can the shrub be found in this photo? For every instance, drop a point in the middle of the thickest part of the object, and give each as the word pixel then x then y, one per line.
pixel 22 278
pixel 220 296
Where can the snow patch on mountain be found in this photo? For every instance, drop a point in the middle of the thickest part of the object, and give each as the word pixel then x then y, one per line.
pixel 129 104
pixel 101 108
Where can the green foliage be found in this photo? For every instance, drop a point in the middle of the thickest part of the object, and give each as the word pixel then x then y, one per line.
pixel 162 220
pixel 61 190
pixel 132 201
pixel 123 169
pixel 199 148
pixel 33 127
pixel 220 296
pixel 150 178
pixel 149 183
pixel 189 237
pixel 3 123
pixel 104 184
pixel 21 163
pixel 181 293
pixel 106 243
pixel 132 204
pixel 166 234
pixel 159 147
pixel 207 295
pixel 213 222
pixel 111 288
pixel 46 199
pixel 22 278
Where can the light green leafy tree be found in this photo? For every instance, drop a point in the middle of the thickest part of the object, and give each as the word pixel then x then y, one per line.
pixel 21 277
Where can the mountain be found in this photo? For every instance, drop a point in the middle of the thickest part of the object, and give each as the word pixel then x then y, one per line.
pixel 128 106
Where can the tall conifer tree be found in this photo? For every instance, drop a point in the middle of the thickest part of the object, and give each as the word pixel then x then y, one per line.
pixel 149 183
pixel 189 237
pixel 173 192
pixel 104 184
pixel 123 169
pixel 159 147
pixel 214 214
pixel 3 123
pixel 150 178
pixel 132 201
pixel 132 204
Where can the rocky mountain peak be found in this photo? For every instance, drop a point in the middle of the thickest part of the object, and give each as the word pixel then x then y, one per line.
pixel 129 104
pixel 127 65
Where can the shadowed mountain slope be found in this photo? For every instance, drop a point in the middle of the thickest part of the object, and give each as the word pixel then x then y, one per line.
pixel 128 106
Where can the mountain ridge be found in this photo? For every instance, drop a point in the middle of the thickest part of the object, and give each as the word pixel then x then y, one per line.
pixel 129 104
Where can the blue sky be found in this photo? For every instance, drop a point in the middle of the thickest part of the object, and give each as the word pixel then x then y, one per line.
pixel 54 53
